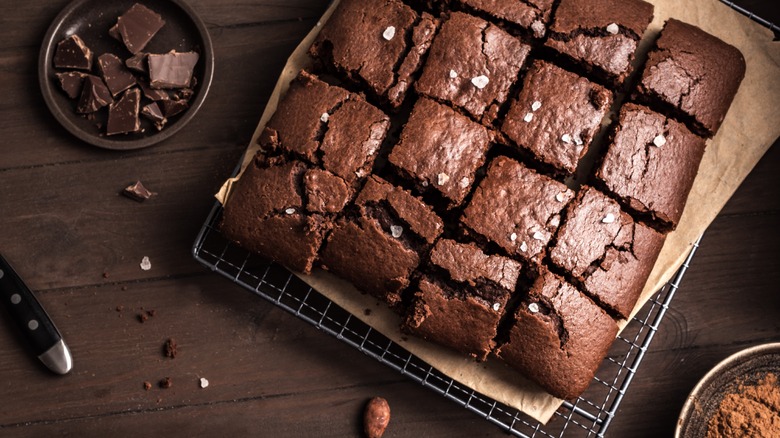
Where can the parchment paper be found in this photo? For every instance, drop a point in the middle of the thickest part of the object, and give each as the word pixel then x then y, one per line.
pixel 752 125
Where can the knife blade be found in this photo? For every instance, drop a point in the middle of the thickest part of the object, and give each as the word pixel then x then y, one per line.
pixel 36 326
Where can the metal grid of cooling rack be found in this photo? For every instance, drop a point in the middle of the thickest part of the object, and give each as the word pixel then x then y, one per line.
pixel 589 415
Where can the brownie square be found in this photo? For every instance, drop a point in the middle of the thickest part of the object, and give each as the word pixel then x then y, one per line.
pixel 532 15
pixel 694 74
pixel 650 165
pixel 516 208
pixel 326 125
pixel 559 337
pixel 600 35
pixel 378 44
pixel 606 253
pixel 462 297
pixel 266 212
pixel 471 65
pixel 556 116
pixel 440 150
pixel 378 245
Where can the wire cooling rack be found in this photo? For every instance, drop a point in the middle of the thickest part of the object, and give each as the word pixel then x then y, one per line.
pixel 590 415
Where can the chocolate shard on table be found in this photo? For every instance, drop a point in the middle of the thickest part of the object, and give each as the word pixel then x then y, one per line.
pixel 172 69
pixel 72 52
pixel 136 27
pixel 123 114
pixel 138 192
pixel 153 112
pixel 137 62
pixel 71 82
pixel 94 95
pixel 116 76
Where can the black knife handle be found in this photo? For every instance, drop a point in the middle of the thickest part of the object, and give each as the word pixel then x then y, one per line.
pixel 26 311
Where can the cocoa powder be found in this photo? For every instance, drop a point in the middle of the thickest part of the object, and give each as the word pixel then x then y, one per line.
pixel 751 410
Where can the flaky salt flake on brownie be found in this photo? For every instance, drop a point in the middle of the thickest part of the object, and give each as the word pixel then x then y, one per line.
pixel 376 44
pixel 650 165
pixel 605 252
pixel 694 74
pixel 486 58
pixel 461 297
pixel 514 199
pixel 531 16
pixel 559 337
pixel 600 36
pixel 441 147
pixel 568 115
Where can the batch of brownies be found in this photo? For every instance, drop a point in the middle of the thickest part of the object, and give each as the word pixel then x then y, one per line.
pixel 494 171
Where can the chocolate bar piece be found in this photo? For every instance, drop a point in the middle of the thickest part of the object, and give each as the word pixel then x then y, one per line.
pixel 172 69
pixel 138 192
pixel 116 76
pixel 137 27
pixel 94 95
pixel 72 52
pixel 123 115
pixel 71 82
pixel 137 62
pixel 154 113
pixel 174 107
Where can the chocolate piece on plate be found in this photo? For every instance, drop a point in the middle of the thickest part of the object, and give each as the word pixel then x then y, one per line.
pixel 172 69
pixel 151 93
pixel 115 75
pixel 123 114
pixel 72 52
pixel 71 82
pixel 136 27
pixel 173 107
pixel 94 95
pixel 154 113
pixel 137 62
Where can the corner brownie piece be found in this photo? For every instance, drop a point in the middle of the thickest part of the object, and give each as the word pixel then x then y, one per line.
pixel 462 297
pixel 378 246
pixel 600 35
pixel 471 65
pixel 378 44
pixel 695 74
pixel 559 337
pixel 650 165
pixel 326 125
pixel 440 150
pixel 556 115
pixel 267 212
pixel 606 253
pixel 530 15
pixel 516 208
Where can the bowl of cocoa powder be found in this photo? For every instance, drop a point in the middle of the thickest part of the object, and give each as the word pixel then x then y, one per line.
pixel 739 397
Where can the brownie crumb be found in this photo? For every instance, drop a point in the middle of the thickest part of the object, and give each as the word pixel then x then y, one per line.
pixel 151 313
pixel 170 348
pixel 105 275
pixel 367 312
pixel 142 317
pixel 147 386
pixel 120 308
pixel 165 383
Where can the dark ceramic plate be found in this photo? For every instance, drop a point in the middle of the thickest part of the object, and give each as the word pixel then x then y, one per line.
pixel 744 367
pixel 91 19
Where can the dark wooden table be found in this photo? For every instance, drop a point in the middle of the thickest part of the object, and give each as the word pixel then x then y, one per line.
pixel 79 243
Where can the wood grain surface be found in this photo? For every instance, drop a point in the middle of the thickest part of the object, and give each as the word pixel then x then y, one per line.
pixel 78 244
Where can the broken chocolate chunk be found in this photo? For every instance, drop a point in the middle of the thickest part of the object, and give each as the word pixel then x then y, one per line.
pixel 152 94
pixel 165 383
pixel 172 69
pixel 170 349
pixel 137 27
pixel 137 62
pixel 115 74
pixel 94 95
pixel 73 53
pixel 154 113
pixel 138 192
pixel 174 107
pixel 71 82
pixel 123 115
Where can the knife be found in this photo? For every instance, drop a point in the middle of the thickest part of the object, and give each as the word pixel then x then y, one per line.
pixel 39 331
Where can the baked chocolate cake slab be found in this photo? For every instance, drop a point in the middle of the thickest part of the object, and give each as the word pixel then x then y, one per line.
pixel 650 165
pixel 380 243
pixel 440 150
pixel 605 252
pixel 375 44
pixel 326 125
pixel 532 16
pixel 471 65
pixel 556 116
pixel 559 337
pixel 601 36
pixel 694 74
pixel 461 297
pixel 516 209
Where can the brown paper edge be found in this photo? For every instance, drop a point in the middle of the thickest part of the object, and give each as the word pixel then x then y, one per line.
pixel 746 134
